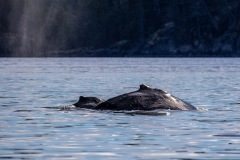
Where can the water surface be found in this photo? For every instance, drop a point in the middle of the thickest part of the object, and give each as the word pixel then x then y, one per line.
pixel 29 130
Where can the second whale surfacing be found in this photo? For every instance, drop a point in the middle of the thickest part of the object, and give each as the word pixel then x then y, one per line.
pixel 88 102
pixel 144 99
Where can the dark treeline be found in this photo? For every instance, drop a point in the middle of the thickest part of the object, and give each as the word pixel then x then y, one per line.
pixel 120 28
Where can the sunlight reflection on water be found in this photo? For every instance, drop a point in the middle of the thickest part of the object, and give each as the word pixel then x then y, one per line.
pixel 29 129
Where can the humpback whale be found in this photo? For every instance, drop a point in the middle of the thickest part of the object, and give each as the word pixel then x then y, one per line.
pixel 88 102
pixel 145 98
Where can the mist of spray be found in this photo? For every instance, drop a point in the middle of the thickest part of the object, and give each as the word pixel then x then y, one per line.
pixel 39 26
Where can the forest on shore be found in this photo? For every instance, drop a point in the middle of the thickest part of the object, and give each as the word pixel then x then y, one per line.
pixel 120 28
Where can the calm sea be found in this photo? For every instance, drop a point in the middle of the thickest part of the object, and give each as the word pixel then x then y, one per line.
pixel 31 130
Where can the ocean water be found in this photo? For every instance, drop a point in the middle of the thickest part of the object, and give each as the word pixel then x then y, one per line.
pixel 33 127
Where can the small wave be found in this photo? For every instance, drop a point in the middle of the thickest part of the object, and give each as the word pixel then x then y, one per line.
pixel 68 107
pixel 147 113
pixel 234 103
pixel 222 110
pixel 202 109
pixel 227 135
pixel 23 110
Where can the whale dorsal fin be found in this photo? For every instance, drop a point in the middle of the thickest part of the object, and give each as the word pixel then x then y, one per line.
pixel 144 87
pixel 82 99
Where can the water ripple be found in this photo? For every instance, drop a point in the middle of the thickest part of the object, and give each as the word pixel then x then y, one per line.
pixel 33 128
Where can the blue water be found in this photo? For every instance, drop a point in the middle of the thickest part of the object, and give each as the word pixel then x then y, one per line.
pixel 31 130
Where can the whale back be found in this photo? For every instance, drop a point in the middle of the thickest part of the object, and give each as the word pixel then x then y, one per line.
pixel 145 98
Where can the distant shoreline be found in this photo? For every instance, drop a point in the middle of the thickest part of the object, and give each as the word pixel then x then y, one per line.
pixel 130 53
